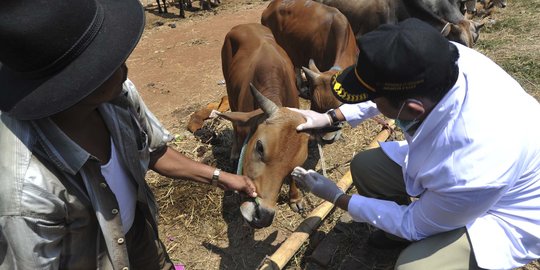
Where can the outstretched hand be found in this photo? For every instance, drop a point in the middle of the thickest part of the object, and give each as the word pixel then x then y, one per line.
pixel 241 183
pixel 320 186
pixel 314 120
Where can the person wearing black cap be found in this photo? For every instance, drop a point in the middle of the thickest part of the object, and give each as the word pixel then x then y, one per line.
pixel 463 190
pixel 76 141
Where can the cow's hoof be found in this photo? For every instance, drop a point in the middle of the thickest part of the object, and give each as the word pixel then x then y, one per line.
pixel 297 207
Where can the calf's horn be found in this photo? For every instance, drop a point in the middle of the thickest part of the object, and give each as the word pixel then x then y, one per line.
pixel 310 73
pixel 268 107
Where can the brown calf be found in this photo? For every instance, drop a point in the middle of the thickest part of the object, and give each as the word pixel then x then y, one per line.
pixel 264 129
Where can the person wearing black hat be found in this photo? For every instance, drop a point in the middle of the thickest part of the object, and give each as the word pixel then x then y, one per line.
pixel 76 141
pixel 463 190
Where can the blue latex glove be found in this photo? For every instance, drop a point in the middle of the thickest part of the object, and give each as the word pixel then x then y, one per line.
pixel 320 186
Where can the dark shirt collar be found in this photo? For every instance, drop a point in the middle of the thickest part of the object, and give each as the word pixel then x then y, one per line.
pixel 61 150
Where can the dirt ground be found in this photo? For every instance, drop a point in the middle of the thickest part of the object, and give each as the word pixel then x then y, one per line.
pixel 177 68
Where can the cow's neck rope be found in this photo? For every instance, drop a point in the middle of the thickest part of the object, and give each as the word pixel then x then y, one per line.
pixel 445 26
pixel 241 162
pixel 241 158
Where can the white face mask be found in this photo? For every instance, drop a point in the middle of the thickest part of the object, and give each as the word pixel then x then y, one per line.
pixel 405 125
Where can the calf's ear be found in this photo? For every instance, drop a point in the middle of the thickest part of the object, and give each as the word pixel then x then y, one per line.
pixel 241 118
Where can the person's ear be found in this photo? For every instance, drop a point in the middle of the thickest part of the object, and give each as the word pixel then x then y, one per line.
pixel 415 106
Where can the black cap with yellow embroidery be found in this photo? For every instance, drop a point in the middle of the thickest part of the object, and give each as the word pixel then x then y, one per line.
pixel 407 58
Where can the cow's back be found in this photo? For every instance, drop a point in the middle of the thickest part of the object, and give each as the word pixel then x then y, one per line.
pixel 250 54
pixel 308 29
pixel 366 15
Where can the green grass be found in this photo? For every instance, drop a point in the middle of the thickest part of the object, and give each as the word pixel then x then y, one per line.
pixel 512 40
pixel 489 45
pixel 514 23
pixel 525 69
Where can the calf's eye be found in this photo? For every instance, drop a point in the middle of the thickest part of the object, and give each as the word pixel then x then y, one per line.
pixel 259 148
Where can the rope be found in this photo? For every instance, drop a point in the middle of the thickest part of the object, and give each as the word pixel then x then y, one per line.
pixel 445 26
pixel 321 155
pixel 239 167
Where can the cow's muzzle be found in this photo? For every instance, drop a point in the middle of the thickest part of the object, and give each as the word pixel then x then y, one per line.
pixel 256 215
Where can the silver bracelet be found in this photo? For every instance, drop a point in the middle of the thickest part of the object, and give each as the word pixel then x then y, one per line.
pixel 215 177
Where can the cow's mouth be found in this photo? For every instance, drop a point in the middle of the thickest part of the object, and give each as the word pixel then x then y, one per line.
pixel 256 215
pixel 331 137
pixel 330 134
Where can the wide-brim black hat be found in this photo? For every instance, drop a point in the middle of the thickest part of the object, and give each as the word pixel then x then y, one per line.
pixel 55 53
pixel 405 59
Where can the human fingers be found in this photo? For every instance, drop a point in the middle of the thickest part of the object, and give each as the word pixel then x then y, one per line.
pixel 314 120
pixel 303 126
pixel 294 109
pixel 306 117
pixel 299 176
pixel 298 172
pixel 250 188
pixel 318 178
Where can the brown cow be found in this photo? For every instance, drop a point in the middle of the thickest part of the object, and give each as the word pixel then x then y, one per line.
pixel 273 146
pixel 310 30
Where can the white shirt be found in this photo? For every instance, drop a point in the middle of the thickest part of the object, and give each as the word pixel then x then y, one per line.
pixel 123 188
pixel 474 162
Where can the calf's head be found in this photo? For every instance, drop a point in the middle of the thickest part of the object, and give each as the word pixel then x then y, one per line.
pixel 272 151
pixel 321 96
pixel 465 31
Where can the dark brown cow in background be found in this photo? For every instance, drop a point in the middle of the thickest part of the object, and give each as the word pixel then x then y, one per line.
pixel 310 30
pixel 444 15
pixel 366 15
pixel 273 147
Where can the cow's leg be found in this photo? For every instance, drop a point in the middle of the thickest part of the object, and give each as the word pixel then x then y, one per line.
pixel 205 5
pixel 159 7
pixel 182 8
pixel 295 196
pixel 164 5
pixel 498 3
pixel 238 141
pixel 235 148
